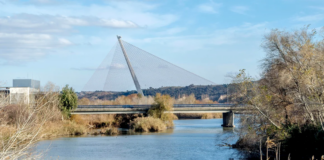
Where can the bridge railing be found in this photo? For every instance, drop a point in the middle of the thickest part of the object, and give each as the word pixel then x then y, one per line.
pixel 114 106
pixel 148 106
pixel 202 105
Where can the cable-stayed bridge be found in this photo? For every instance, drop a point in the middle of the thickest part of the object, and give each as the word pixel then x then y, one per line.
pixel 132 66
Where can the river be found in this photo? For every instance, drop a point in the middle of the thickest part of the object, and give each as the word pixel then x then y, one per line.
pixel 190 139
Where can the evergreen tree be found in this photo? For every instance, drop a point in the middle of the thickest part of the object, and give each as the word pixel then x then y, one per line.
pixel 68 99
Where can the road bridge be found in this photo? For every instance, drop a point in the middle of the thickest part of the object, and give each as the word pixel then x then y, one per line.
pixel 228 110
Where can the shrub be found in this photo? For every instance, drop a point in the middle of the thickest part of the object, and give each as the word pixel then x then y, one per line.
pixel 11 114
pixel 207 116
pixel 162 103
pixel 79 119
pixel 111 131
pixel 23 125
pixel 68 100
pixel 5 133
pixel 146 124
pixel 211 115
pixel 174 117
pixel 98 120
pixel 62 128
pixel 73 128
pixel 304 141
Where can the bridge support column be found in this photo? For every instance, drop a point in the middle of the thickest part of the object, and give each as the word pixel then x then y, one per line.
pixel 228 119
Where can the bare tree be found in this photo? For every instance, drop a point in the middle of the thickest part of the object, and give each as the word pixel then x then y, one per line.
pixel 290 90
pixel 20 136
pixel 293 71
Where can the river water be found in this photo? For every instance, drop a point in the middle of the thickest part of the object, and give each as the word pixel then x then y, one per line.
pixel 190 139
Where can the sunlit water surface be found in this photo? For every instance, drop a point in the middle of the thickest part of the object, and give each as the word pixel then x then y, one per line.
pixel 190 139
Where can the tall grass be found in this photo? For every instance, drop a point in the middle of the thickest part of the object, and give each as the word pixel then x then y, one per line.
pixel 62 128
pixel 146 124
pixel 110 131
pixel 94 121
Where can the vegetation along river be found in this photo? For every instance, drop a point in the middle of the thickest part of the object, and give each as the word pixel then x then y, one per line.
pixel 190 139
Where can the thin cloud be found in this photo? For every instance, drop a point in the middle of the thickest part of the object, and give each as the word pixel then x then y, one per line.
pixel 239 9
pixel 42 30
pixel 28 47
pixel 41 2
pixel 210 7
pixel 172 31
pixel 26 23
pixel 140 13
pixel 26 37
pixel 221 37
pixel 310 18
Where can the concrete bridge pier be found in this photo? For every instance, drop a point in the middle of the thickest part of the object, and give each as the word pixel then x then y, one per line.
pixel 228 119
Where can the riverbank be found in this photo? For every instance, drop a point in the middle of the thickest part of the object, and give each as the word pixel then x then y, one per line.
pixel 108 124
pixel 99 124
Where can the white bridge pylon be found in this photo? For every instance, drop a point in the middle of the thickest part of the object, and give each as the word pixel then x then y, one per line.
pixel 137 85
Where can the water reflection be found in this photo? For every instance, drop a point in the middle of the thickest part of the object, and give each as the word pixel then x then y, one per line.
pixel 124 132
pixel 228 129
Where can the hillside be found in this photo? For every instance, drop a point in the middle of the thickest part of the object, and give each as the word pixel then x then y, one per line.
pixel 214 92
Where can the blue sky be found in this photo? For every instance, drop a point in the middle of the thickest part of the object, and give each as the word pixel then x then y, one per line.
pixel 63 41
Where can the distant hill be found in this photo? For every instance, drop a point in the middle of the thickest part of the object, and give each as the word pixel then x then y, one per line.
pixel 214 92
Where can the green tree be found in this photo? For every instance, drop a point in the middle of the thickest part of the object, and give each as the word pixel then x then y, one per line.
pixel 68 99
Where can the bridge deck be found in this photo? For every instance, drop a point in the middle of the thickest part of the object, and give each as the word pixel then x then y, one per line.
pixel 177 108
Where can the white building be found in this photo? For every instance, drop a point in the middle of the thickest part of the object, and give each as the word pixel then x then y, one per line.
pixel 23 91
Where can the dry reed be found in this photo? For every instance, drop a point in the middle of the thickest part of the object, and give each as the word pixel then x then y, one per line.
pixel 146 124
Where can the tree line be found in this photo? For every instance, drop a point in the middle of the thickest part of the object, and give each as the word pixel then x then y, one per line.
pixel 213 92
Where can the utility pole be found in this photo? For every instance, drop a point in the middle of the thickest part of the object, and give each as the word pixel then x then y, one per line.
pixel 137 85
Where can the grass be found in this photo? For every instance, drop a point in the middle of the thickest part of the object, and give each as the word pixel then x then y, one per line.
pixel 212 115
pixel 79 125
pixel 5 132
pixel 146 124
pixel 62 128
pixel 110 131
pixel 94 121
